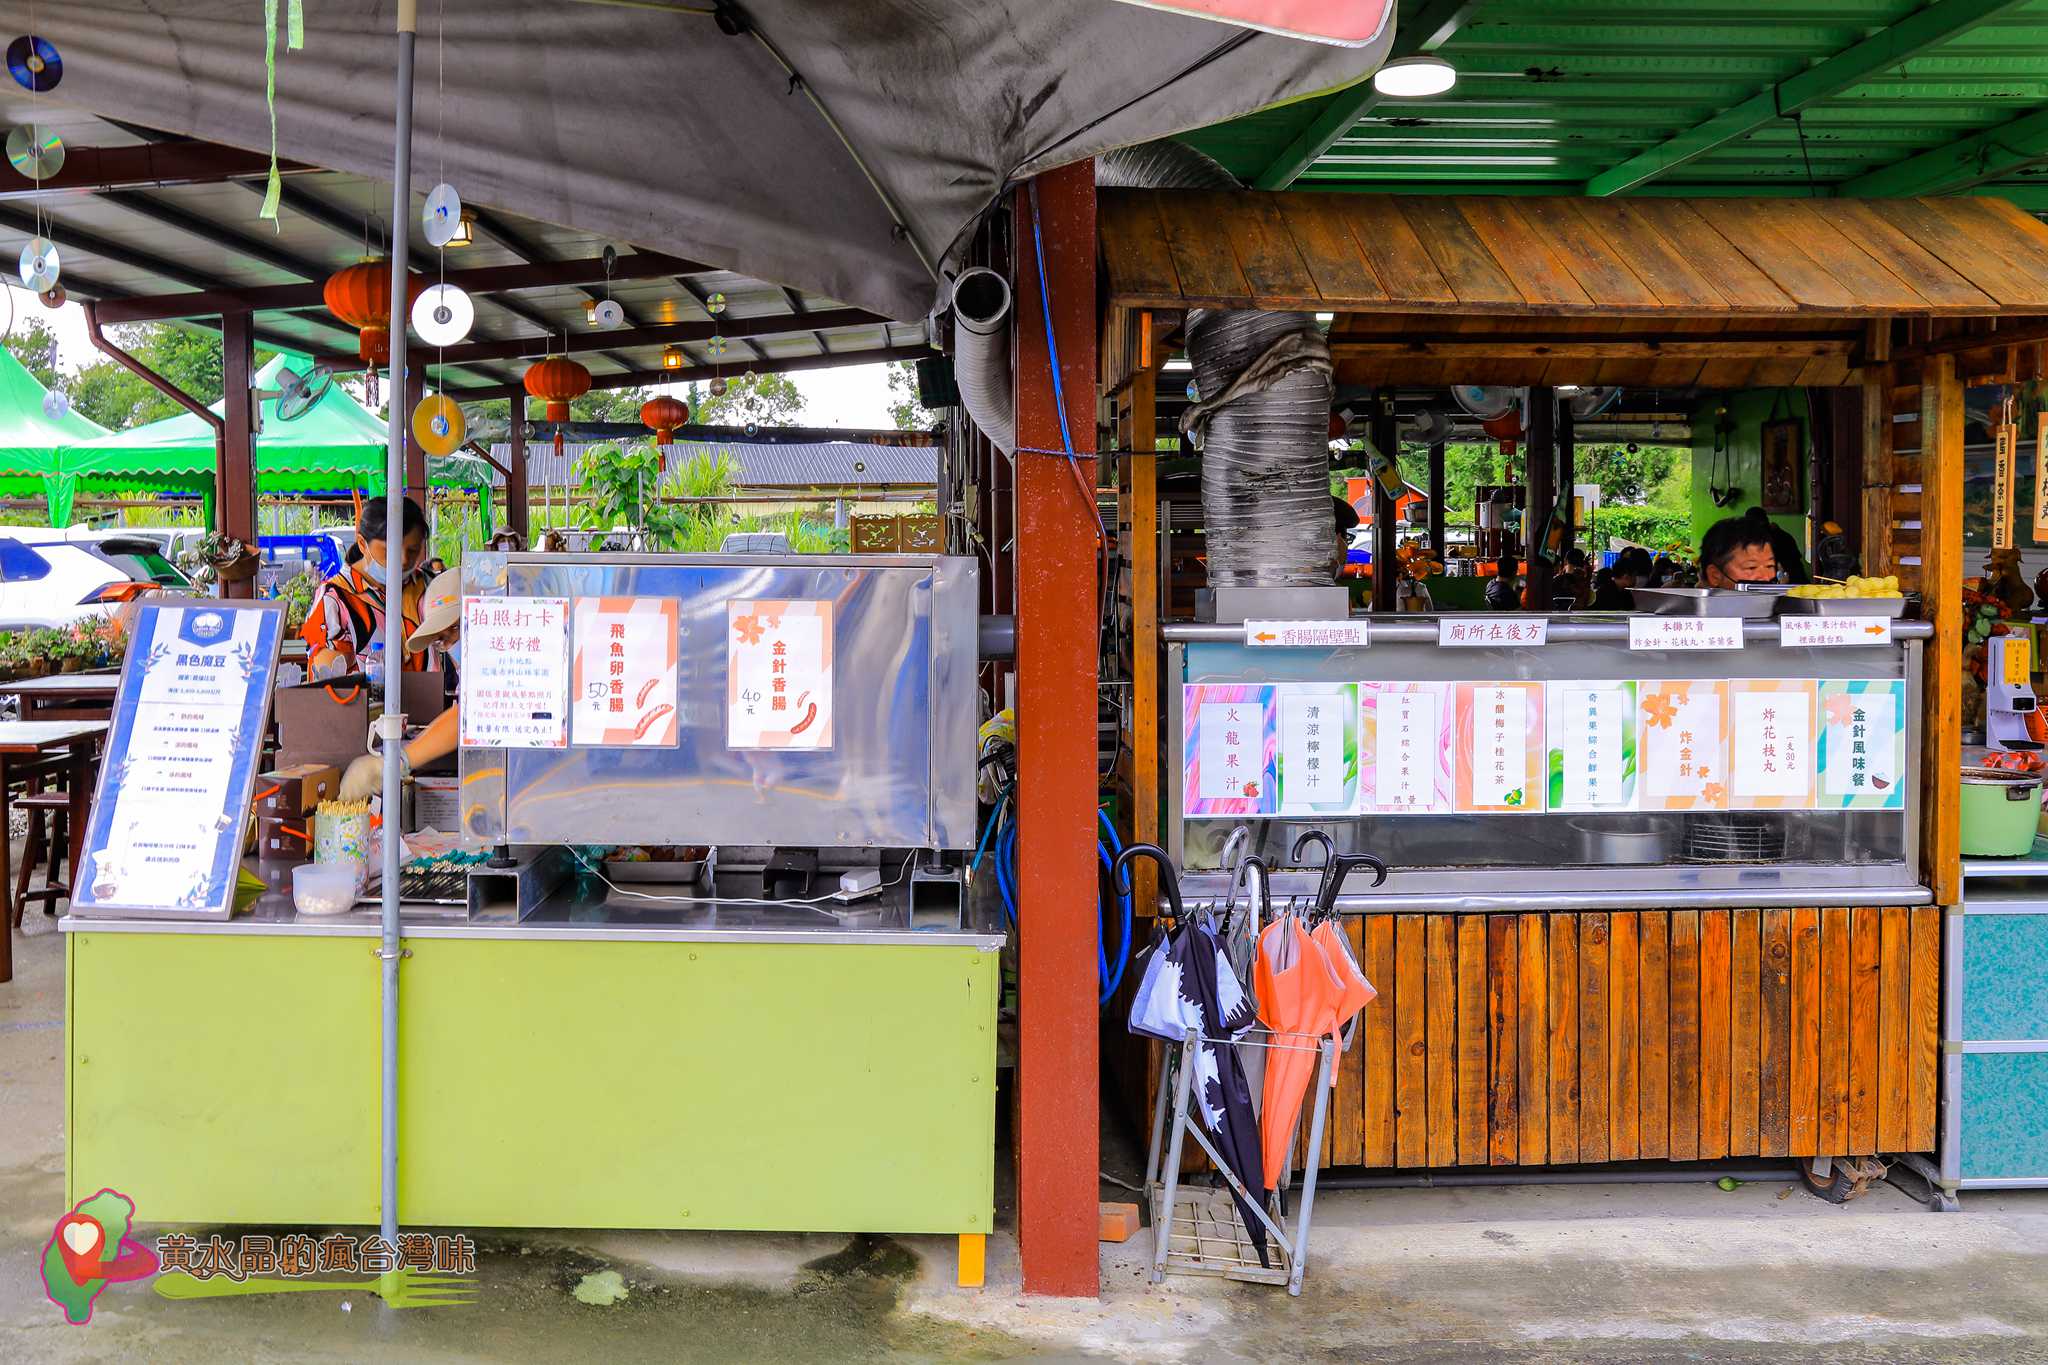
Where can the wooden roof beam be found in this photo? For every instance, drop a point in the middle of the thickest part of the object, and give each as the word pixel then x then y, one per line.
pixel 1960 165
pixel 876 356
pixel 1431 27
pixel 1910 36
pixel 661 334
pixel 94 170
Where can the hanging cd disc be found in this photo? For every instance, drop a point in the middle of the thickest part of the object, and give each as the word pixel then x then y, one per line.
pixel 607 315
pixel 36 152
pixel 39 264
pixel 442 214
pixel 54 296
pixel 438 425
pixel 442 315
pixel 34 63
pixel 55 404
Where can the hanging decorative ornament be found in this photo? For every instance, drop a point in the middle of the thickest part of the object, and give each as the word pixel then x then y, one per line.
pixel 361 297
pixel 39 264
pixel 717 346
pixel 54 296
pixel 753 428
pixel 441 218
pixel 664 415
pixel 606 315
pixel 1194 393
pixel 443 314
pixel 714 304
pixel 555 381
pixel 37 154
pixel 749 378
pixel 34 64
pixel 719 386
pixel 56 403
pixel 438 425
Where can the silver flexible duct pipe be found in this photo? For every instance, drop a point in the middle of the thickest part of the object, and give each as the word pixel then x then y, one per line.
pixel 981 355
pixel 1265 448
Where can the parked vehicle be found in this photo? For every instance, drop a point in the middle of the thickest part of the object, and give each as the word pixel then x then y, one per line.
pixel 55 582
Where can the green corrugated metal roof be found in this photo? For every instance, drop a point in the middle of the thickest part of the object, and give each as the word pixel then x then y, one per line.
pixel 1554 95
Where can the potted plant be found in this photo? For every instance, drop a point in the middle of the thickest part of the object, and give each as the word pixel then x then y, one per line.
pixel 232 560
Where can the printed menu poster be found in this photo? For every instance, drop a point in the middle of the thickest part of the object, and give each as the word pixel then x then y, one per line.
pixel 778 674
pixel 1683 746
pixel 1405 748
pixel 183 749
pixel 1500 732
pixel 1318 749
pixel 1592 730
pixel 622 677
pixel 1229 743
pixel 1862 747
pixel 515 672
pixel 1770 732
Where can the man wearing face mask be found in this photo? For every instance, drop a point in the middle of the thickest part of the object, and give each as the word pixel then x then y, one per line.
pixel 347 616
pixel 437 639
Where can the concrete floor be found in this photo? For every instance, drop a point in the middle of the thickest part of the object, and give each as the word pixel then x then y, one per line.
pixel 1543 1273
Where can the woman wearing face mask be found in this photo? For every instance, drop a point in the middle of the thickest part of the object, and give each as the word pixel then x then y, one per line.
pixel 347 616
pixel 435 642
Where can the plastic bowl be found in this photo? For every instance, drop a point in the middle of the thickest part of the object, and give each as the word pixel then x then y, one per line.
pixel 324 888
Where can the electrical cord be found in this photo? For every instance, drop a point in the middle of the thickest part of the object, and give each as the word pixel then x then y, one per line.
pixel 999 838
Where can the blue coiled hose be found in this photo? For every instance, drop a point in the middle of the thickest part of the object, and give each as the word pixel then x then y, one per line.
pixel 999 836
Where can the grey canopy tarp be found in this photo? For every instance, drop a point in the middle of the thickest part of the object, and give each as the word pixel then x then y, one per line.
pixel 658 129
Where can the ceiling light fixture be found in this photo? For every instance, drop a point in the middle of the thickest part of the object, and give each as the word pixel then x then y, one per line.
pixel 672 357
pixel 465 230
pixel 1414 78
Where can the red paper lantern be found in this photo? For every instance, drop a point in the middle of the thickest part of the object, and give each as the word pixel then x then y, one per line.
pixel 361 297
pixel 664 415
pixel 555 381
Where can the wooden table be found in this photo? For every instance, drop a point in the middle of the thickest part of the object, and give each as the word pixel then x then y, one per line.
pixel 25 741
pixel 65 696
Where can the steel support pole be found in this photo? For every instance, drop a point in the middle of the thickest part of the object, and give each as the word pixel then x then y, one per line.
pixel 392 727
pixel 1058 1069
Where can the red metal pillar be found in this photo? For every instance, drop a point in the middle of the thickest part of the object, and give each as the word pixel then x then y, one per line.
pixel 517 494
pixel 234 464
pixel 1057 1068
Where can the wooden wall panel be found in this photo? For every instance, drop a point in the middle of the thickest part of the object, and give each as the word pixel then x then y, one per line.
pixel 1715 951
pixel 1347 1101
pixel 1595 1124
pixel 1442 1084
pixel 1532 1043
pixel 1563 1120
pixel 1411 1042
pixel 1503 1013
pixel 1774 1043
pixel 1745 1008
pixel 1472 1034
pixel 1588 1037
pixel 1653 1068
pixel 1377 1125
pixel 1624 1015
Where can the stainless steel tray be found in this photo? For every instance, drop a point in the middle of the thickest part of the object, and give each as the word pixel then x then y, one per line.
pixel 1704 602
pixel 673 873
pixel 1894 607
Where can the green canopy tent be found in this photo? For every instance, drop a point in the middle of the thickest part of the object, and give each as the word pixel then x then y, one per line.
pixel 30 440
pixel 336 444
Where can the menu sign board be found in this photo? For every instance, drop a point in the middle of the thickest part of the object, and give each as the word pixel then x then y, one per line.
pixel 778 674
pixel 1592 729
pixel 622 680
pixel 1407 736
pixel 1318 751
pixel 1771 744
pixel 515 672
pixel 1501 725
pixel 183 749
pixel 1228 755
pixel 1862 750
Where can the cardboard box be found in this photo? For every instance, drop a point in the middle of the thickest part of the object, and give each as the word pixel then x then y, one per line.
pixel 300 788
pixel 423 695
pixel 283 840
pixel 322 723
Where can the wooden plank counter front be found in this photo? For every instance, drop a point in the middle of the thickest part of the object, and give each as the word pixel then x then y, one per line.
pixel 1579 1038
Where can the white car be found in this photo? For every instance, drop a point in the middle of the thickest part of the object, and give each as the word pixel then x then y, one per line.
pixel 52 583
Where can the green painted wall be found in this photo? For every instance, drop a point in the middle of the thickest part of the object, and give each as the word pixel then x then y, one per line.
pixel 1748 410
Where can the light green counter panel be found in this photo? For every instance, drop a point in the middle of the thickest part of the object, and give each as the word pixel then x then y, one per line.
pixel 579 1083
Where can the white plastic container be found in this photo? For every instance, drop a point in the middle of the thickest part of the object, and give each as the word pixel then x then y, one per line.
pixel 323 888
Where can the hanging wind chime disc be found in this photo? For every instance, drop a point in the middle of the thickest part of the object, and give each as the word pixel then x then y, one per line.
pixel 714 304
pixel 438 425
pixel 718 346
pixel 442 214
pixel 54 296
pixel 607 315
pixel 442 315
pixel 719 386
pixel 34 64
pixel 37 154
pixel 55 404
pixel 39 264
